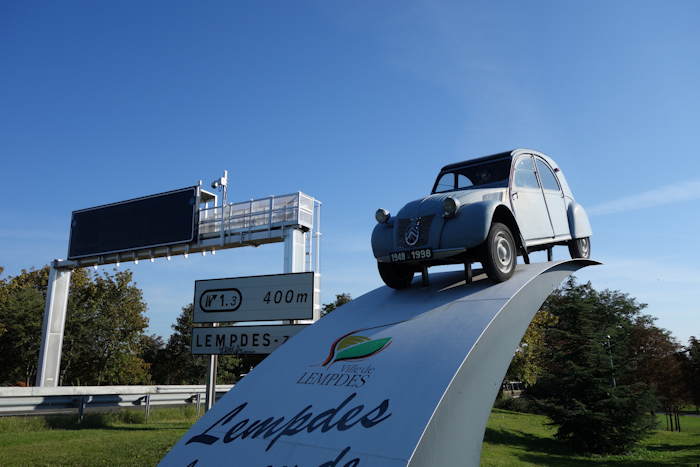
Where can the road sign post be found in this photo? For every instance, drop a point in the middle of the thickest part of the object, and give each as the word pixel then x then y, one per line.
pixel 277 297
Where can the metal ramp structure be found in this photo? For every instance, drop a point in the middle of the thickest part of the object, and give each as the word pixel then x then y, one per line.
pixel 394 378
pixel 293 219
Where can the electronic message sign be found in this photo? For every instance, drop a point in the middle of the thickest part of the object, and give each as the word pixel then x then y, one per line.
pixel 254 298
pixel 147 222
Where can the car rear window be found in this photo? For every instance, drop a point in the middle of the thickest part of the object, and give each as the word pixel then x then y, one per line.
pixel 491 173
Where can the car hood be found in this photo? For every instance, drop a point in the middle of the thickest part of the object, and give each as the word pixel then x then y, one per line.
pixel 432 204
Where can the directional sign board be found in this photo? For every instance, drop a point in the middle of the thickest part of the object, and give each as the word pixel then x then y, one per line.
pixel 254 298
pixel 241 340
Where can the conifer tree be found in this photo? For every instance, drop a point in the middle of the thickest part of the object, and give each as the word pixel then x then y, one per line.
pixel 588 386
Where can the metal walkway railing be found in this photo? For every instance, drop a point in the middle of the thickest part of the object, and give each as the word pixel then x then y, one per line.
pixel 258 215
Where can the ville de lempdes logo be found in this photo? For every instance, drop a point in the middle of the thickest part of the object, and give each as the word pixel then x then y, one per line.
pixel 339 369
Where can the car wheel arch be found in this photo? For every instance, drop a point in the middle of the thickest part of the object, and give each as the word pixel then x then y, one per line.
pixel 579 224
pixel 504 215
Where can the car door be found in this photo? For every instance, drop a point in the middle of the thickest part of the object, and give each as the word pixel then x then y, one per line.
pixel 554 198
pixel 528 202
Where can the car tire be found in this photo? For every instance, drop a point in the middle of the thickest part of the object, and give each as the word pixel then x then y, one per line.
pixel 580 247
pixel 500 253
pixel 396 276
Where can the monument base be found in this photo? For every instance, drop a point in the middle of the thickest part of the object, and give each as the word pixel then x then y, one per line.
pixel 393 378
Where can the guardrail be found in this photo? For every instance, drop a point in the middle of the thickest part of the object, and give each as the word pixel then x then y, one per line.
pixel 71 399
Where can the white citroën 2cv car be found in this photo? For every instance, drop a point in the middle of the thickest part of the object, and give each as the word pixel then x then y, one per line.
pixel 488 210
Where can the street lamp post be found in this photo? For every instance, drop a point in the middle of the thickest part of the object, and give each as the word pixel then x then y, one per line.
pixel 612 368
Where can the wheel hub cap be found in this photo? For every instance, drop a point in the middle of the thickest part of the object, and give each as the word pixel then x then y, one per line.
pixel 503 253
pixel 583 245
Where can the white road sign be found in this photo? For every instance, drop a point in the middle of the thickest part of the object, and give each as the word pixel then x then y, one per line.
pixel 241 340
pixel 254 298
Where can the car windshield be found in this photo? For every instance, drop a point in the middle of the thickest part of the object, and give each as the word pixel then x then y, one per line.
pixel 484 174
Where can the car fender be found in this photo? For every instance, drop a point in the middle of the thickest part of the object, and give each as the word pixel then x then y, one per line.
pixel 470 226
pixel 579 225
pixel 383 238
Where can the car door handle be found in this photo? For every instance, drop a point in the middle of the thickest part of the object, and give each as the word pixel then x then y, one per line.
pixel 514 196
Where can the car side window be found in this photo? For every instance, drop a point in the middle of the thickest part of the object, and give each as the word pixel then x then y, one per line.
pixel 445 183
pixel 549 181
pixel 463 181
pixel 525 176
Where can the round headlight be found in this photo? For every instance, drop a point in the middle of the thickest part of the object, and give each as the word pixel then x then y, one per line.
pixel 382 215
pixel 450 205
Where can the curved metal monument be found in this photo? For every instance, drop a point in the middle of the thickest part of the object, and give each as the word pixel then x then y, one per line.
pixel 394 378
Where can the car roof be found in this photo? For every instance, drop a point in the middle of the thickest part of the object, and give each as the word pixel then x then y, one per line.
pixel 500 155
pixel 511 155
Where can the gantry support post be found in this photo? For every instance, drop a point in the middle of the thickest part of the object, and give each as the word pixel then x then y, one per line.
pixel 52 330
pixel 294 251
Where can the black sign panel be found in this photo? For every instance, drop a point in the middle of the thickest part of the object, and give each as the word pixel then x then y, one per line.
pixel 156 220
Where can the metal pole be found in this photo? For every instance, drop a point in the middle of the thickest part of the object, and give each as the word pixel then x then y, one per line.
pixel 148 406
pixel 81 408
pixel 211 383
pixel 317 260
pixel 612 368
pixel 49 367
pixel 211 379
pixel 270 217
pixel 317 238
pixel 294 254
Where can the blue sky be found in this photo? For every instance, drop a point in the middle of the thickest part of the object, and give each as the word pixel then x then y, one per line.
pixel 358 104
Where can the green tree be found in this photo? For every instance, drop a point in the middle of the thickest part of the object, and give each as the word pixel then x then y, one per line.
pixel 2 327
pixel 177 365
pixel 340 300
pixel 527 364
pixel 691 370
pixel 104 328
pixel 21 309
pixel 588 386
pixel 152 350
pixel 659 363
pixel 104 323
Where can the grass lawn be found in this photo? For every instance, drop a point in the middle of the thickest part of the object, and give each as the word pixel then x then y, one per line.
pixel 123 438
pixel 519 439
pixel 105 439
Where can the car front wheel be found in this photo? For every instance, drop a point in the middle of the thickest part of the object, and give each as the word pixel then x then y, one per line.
pixel 500 253
pixel 396 276
pixel 580 247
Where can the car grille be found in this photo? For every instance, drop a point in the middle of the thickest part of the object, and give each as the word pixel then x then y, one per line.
pixel 405 224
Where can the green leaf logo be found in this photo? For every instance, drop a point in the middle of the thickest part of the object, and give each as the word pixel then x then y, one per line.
pixel 355 347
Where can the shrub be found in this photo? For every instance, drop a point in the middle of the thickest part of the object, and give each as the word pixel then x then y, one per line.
pixel 517 404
